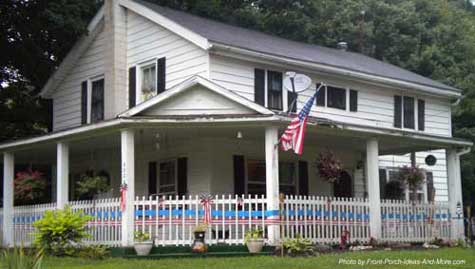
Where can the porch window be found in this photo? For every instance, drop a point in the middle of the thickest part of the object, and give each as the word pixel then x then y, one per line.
pixel 148 82
pixel 274 90
pixel 167 178
pixel 97 100
pixel 256 177
pixel 393 175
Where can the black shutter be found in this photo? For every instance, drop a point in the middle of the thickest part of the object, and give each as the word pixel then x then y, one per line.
pixel 182 176
pixel 84 102
pixel 161 75
pixel 409 112
pixel 303 178
pixel 48 103
pixel 291 96
pixel 321 96
pixel 382 183
pixel 152 178
pixel 239 180
pixel 259 84
pixel 421 108
pixel 132 86
pixel 397 111
pixel 353 100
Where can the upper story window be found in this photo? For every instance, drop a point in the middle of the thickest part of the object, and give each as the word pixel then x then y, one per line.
pixel 339 98
pixel 405 115
pixel 92 100
pixel 268 89
pixel 146 80
pixel 147 83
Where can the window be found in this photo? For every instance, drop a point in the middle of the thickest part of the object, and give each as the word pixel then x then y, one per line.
pixel 167 177
pixel 97 101
pixel 405 115
pixel 274 90
pixel 148 82
pixel 339 98
pixel 387 176
pixel 256 177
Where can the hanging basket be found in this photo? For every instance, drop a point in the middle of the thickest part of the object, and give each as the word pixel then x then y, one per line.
pixel 329 167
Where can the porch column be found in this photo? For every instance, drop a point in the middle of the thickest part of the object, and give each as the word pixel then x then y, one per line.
pixel 455 193
pixel 128 179
pixel 62 174
pixel 8 173
pixel 272 181
pixel 372 178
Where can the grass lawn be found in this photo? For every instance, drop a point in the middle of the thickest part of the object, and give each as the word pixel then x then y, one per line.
pixel 334 261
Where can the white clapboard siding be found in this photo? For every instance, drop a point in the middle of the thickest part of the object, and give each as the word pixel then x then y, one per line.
pixel 237 76
pixel 439 170
pixel 147 40
pixel 67 97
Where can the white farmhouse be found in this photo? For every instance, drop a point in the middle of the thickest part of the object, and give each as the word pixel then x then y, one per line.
pixel 172 106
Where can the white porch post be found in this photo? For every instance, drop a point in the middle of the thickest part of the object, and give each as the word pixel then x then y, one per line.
pixel 272 180
pixel 62 174
pixel 128 177
pixel 372 178
pixel 455 193
pixel 8 173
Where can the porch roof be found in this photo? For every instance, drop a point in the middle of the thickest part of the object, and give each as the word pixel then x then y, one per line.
pixel 397 141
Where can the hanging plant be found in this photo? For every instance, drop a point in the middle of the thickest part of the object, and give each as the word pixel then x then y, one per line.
pixel 30 187
pixel 329 167
pixel 413 176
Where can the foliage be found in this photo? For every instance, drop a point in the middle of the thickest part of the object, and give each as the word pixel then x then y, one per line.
pixel 141 236
pixel 298 246
pixel 91 184
pixel 413 176
pixel 328 166
pixel 59 231
pixel 30 187
pixel 394 190
pixel 94 252
pixel 202 227
pixel 253 234
pixel 17 258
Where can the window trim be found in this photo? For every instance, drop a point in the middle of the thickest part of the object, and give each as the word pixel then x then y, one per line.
pixel 139 76
pixel 246 174
pixel 90 81
pixel 175 165
pixel 347 98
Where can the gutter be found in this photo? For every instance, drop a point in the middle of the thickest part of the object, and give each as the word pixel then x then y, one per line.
pixel 340 71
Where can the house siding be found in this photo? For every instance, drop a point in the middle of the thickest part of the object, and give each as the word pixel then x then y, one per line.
pixel 147 40
pixel 67 97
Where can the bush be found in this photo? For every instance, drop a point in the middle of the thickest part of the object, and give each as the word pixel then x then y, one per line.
pixel 298 246
pixel 18 259
pixel 60 231
pixel 94 252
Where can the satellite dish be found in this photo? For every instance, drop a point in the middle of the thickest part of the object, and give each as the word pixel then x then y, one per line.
pixel 301 82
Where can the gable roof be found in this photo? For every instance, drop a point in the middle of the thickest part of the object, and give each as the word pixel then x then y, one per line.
pixel 188 85
pixel 221 33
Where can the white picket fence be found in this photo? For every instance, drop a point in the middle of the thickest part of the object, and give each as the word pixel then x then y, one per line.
pixel 404 221
pixel 23 219
pixel 105 225
pixel 171 220
pixel 326 219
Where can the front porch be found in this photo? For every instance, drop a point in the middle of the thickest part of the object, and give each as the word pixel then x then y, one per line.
pixel 167 166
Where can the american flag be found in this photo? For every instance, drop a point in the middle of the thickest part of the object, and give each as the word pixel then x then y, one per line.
pixel 295 133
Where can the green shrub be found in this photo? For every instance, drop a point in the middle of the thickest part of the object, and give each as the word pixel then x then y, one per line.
pixel 298 246
pixel 60 231
pixel 141 236
pixel 18 259
pixel 253 234
pixel 94 252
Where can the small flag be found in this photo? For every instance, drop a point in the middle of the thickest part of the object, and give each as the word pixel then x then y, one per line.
pixel 123 195
pixel 294 134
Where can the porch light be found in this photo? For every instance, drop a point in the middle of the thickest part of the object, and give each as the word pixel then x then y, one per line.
pixel 239 135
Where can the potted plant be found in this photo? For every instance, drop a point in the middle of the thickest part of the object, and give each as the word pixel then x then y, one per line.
pixel 254 240
pixel 329 167
pixel 143 245
pixel 199 245
pixel 413 176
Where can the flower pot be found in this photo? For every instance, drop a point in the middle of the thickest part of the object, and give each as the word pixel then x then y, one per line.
pixel 143 248
pixel 255 245
pixel 199 245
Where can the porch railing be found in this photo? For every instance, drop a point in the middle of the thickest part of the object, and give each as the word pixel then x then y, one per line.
pixel 414 222
pixel 171 220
